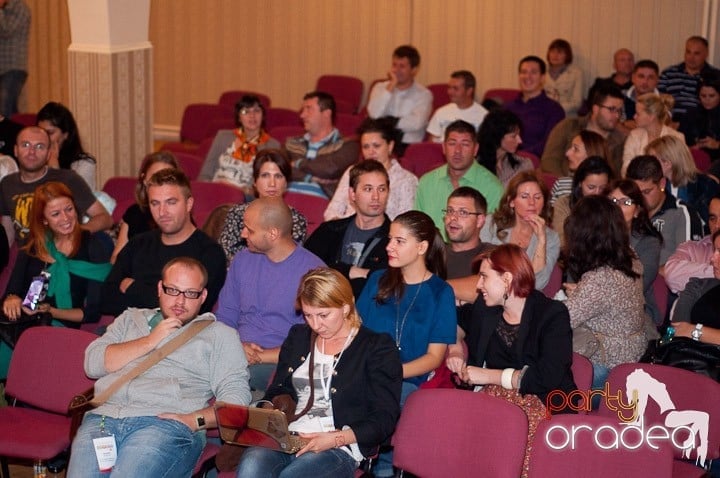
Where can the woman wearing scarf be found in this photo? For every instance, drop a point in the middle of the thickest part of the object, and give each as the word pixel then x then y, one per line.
pixel 74 261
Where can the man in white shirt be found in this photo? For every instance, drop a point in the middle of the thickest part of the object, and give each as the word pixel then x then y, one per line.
pixel 402 97
pixel 461 90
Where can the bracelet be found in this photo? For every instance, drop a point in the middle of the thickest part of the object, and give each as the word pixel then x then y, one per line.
pixel 506 378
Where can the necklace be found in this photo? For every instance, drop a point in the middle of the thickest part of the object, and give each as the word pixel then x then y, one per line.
pixel 400 325
pixel 336 359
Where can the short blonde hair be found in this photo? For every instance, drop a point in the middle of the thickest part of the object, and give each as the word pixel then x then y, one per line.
pixel 659 106
pixel 674 150
pixel 326 287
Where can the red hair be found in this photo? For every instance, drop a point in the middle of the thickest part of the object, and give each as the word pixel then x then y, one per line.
pixel 513 259
pixel 39 231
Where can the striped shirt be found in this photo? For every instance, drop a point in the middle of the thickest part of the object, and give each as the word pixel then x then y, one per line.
pixel 683 86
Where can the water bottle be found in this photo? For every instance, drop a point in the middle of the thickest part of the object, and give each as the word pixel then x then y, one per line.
pixel 39 469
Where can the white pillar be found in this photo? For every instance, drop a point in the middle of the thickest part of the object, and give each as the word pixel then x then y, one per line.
pixel 110 82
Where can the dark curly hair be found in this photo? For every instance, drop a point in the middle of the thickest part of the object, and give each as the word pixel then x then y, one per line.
pixel 596 236
pixel 592 165
pixel 496 125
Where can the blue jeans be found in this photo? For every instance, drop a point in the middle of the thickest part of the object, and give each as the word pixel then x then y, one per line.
pixel 600 374
pixel 259 462
pixel 260 374
pixel 384 467
pixel 11 84
pixel 146 447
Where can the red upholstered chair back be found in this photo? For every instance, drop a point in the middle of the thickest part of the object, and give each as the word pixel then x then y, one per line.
pixel 5 274
pixel 501 95
pixel 203 120
pixel 555 282
pixel 122 190
pixel 586 458
pixel 549 179
pixel 582 370
pixel 346 90
pixel 701 158
pixel 527 154
pixel 190 163
pixel 208 195
pixel 275 117
pixel 420 158
pixel 661 293
pixel 229 98
pixel 679 390
pixel 46 369
pixel 347 124
pixel 363 111
pixel 312 207
pixel 440 95
pixel 447 432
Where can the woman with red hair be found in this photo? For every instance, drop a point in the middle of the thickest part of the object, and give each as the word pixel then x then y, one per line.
pixel 519 341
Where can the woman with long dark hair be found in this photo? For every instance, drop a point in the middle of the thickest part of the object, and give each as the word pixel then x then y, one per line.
pixel 607 307
pixel 498 140
pixel 645 240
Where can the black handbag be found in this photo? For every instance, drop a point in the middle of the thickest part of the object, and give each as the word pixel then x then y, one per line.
pixel 10 330
pixel 685 353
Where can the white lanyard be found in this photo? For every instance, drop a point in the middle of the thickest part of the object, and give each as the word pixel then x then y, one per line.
pixel 326 385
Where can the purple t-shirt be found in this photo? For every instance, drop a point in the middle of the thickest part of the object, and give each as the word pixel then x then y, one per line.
pixel 538 115
pixel 258 298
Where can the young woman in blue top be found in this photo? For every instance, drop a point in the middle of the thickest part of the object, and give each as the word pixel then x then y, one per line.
pixel 410 300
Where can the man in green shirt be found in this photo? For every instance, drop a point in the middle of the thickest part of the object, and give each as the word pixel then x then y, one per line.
pixel 460 148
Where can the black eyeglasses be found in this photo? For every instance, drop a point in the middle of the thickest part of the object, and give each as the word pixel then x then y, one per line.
pixel 622 201
pixel 613 109
pixel 189 294
pixel 461 213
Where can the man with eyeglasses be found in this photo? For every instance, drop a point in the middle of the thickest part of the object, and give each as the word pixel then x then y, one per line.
pixel 156 423
pixel 604 119
pixel 17 189
pixel 460 149
pixel 675 220
pixel 464 217
pixel 355 246
pixel 131 282
pixel 258 298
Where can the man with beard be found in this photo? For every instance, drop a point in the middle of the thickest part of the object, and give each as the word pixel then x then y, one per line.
pixel 258 298
pixel 355 245
pixel 464 217
pixel 604 119
pixel 133 279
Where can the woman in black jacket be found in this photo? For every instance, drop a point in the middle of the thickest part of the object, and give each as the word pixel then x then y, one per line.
pixel 352 403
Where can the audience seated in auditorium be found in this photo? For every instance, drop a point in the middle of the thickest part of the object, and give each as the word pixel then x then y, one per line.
pixel 538 112
pixel 652 119
pixel 400 96
pixel 349 421
pixel 563 81
pixel 137 218
pixel 66 150
pixel 499 139
pixel 320 156
pixel 676 221
pixel 17 189
pixel 695 313
pixel 682 81
pixel 603 119
pixel 684 180
pixel 377 141
pixel 464 218
pixel 231 156
pixel 523 218
pixel 692 258
pixel 645 240
pixel 606 304
pixel 645 77
pixel 271 175
pixel 519 342
pixel 590 179
pixel 72 263
pixel 623 63
pixel 461 90
pixel 355 245
pixel 258 298
pixel 460 147
pixel 164 411
pixel 133 279
pixel 585 144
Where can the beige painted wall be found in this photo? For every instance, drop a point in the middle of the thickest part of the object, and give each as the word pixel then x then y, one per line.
pixel 280 47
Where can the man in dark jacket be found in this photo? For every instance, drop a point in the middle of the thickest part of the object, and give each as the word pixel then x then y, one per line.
pixel 355 246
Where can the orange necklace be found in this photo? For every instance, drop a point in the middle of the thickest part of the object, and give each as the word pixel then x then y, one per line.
pixel 248 147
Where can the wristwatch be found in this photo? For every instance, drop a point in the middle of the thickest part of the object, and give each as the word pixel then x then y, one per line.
pixel 200 420
pixel 697 332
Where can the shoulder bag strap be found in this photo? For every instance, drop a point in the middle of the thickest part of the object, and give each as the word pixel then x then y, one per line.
pixel 153 357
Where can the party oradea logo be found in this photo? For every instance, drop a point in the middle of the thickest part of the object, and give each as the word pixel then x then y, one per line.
pixel 685 429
